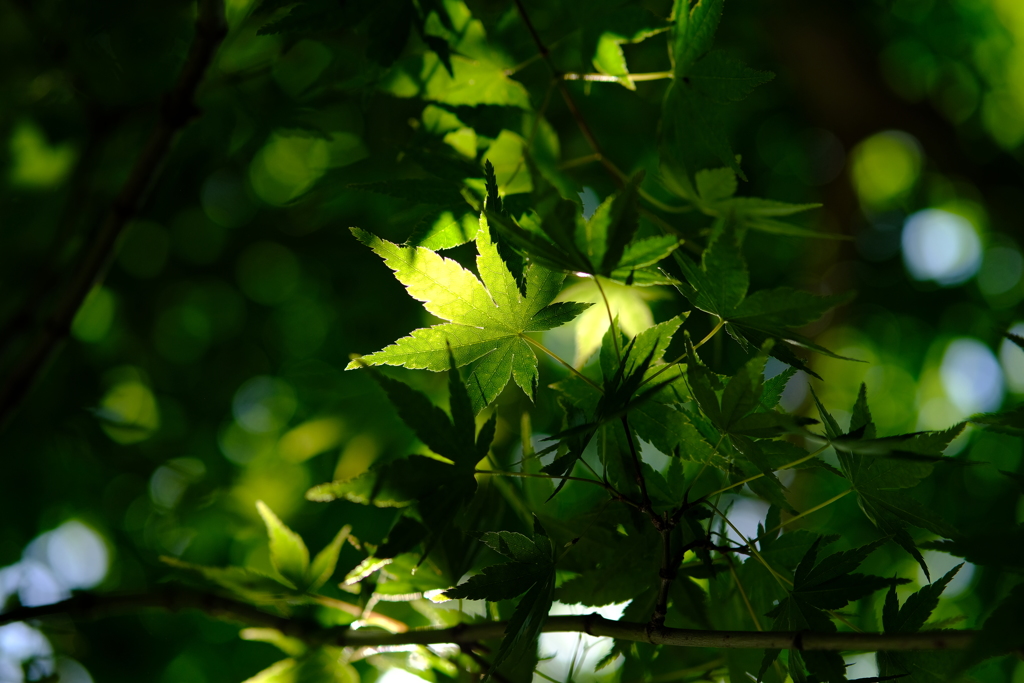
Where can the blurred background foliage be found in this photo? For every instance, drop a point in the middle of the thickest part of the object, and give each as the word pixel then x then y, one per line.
pixel 206 372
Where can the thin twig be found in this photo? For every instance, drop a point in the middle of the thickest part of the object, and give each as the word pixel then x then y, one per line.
pixel 176 111
pixel 788 465
pixel 577 115
pixel 86 606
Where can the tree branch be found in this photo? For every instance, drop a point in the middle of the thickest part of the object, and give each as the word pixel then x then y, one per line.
pixel 86 606
pixel 176 111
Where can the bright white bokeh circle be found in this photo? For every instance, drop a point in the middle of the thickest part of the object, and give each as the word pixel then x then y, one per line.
pixel 940 246
pixel 971 376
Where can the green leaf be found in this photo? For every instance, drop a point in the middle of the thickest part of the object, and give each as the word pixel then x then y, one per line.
pixel 326 561
pixel 720 284
pixel 247 583
pixel 500 582
pixel 1007 422
pixel 288 553
pixel 287 644
pixel 743 392
pixel 488 316
pixel 322 665
pixel 524 627
pixel 627 24
pixel 693 32
pixel 716 184
pixel 911 617
pixel 691 116
pixel 723 79
pixel 515 546
pixel 823 585
pixel 398 483
pixel 773 388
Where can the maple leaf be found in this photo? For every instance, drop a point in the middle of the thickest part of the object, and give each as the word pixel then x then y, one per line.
pixel 818 586
pixel 559 238
pixel 704 82
pixel 878 467
pixel 440 489
pixel 488 318
pixel 910 618
pixel 714 192
pixel 719 286
pixel 531 571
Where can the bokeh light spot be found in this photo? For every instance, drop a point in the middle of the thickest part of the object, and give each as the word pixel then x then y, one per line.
pixel 971 376
pixel 129 413
pixel 169 481
pixel 92 322
pixel 1001 270
pixel 311 438
pixel 287 166
pixel 940 246
pixel 34 162
pixel 885 167
pixel 77 554
pixel 264 404
pixel 1011 357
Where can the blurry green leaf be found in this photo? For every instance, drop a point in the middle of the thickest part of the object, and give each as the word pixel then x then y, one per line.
pixel 288 552
pixel 716 184
pixel 322 665
pixel 287 644
pixel 323 565
pixel 607 32
pixel 246 583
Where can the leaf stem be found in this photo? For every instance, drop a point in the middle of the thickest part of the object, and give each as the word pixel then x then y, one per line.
pixel 551 353
pixel 750 545
pixel 710 335
pixel 605 78
pixel 641 482
pixel 611 319
pixel 806 512
pixel 537 475
pixel 579 161
pixel 743 594
pixel 787 466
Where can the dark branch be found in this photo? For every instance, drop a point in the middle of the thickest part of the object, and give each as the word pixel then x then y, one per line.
pixel 86 606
